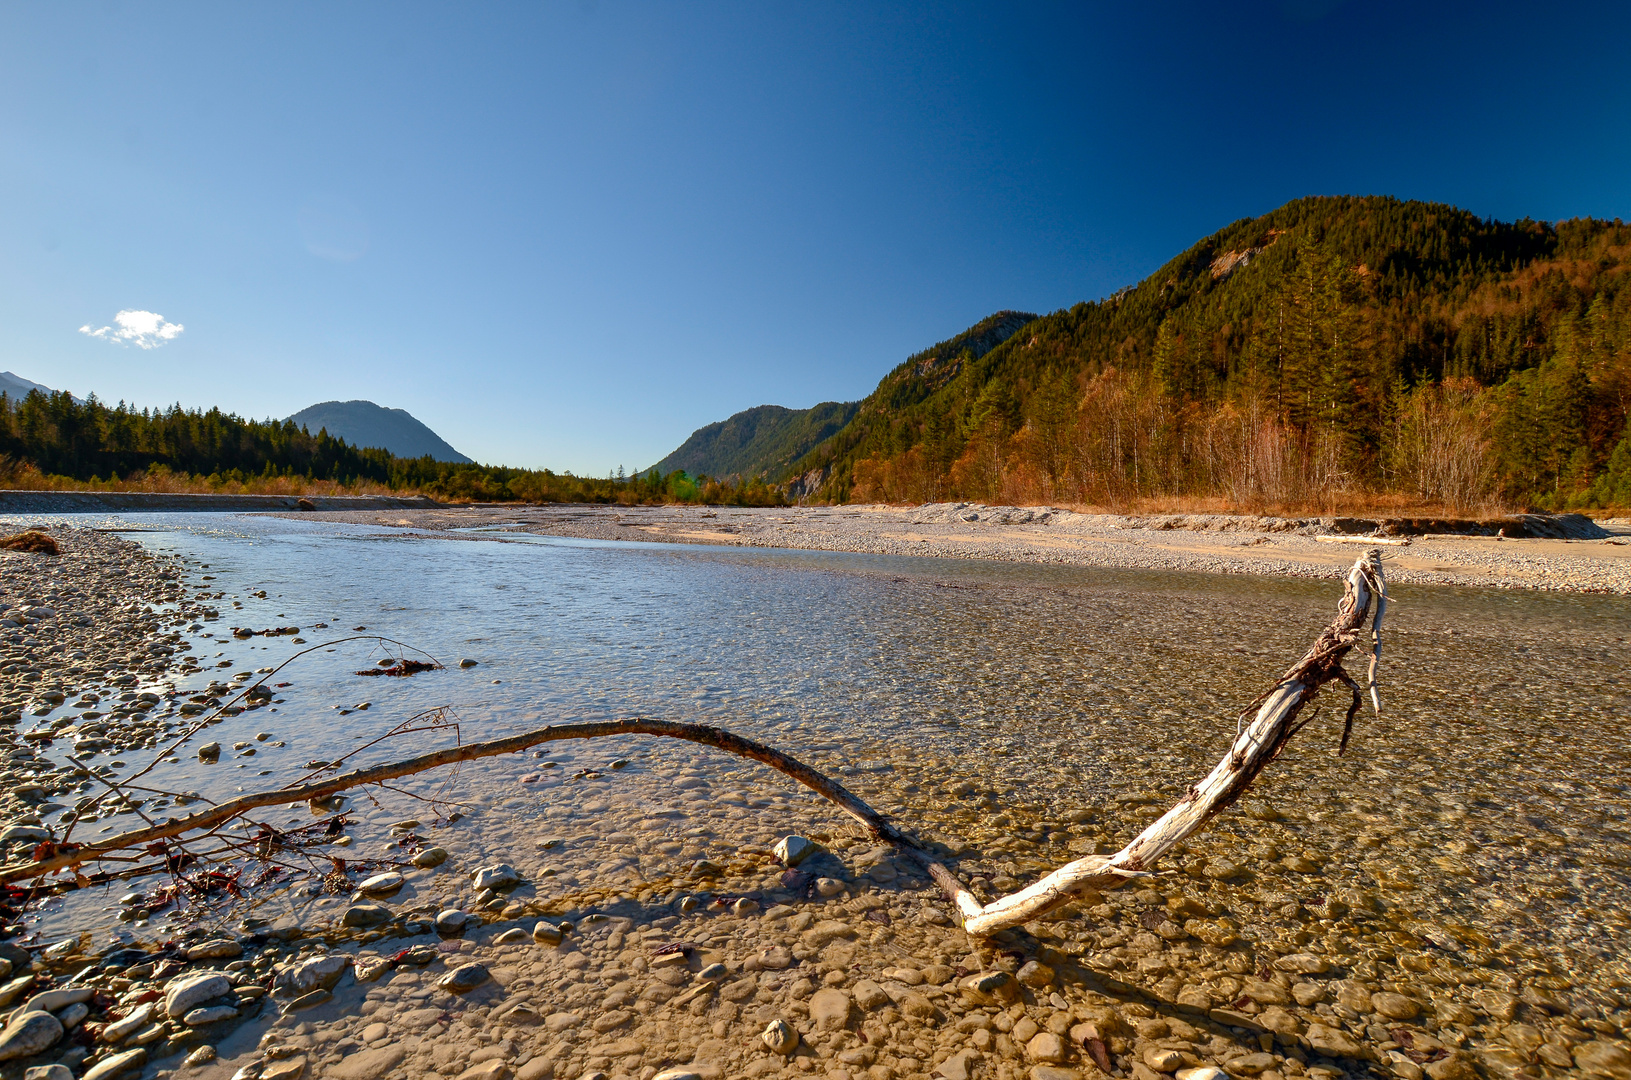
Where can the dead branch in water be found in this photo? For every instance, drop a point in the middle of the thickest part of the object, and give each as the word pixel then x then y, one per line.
pixel 1255 745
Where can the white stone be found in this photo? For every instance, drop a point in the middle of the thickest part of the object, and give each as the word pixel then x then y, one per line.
pixel 120 1030
pixel 52 1000
pixel 794 849
pixel 187 992
pixel 317 973
pixel 502 876
pixel 381 884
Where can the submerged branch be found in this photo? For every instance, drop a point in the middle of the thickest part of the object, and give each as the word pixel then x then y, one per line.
pixel 1255 745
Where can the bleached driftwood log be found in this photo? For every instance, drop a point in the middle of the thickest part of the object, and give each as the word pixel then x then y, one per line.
pixel 1257 744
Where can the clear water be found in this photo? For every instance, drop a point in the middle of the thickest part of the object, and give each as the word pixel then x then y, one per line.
pixel 1489 805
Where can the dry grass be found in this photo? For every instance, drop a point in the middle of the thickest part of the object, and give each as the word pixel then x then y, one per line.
pixel 27 478
pixel 1357 504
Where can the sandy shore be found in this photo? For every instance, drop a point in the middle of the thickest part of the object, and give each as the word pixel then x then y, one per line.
pixel 1215 544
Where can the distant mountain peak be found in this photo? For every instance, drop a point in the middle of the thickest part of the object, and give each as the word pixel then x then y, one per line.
pixel 365 424
pixel 16 387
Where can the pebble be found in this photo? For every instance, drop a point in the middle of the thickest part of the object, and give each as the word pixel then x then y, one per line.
pixel 451 922
pixel 1395 1006
pixel 118 1063
pixel 53 1000
pixel 119 1030
pixel 188 992
pixel 547 933
pixel 29 1033
pixel 381 884
pixel 463 978
pixel 780 1037
pixel 218 949
pixel 364 915
pixel 497 878
pixel 315 973
pixel 368 1064
pixel 430 858
pixel 793 849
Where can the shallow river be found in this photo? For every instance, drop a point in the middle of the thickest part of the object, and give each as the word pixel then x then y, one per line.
pixel 1020 710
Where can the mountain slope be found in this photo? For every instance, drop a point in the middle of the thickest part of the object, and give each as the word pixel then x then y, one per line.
pixel 364 424
pixel 761 441
pixel 766 441
pixel 17 387
pixel 1336 345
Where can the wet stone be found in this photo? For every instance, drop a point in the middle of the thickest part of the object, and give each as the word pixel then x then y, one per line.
pixel 210 1015
pixel 29 1033
pixel 794 849
pixel 1395 1006
pixel 381 884
pixel 430 858
pixel 464 978
pixel 364 915
pixel 499 877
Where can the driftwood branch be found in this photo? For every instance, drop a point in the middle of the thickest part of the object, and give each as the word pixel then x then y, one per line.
pixel 1255 745
pixel 221 813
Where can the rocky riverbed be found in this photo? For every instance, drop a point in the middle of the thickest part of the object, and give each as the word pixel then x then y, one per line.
pixel 633 912
pixel 1214 543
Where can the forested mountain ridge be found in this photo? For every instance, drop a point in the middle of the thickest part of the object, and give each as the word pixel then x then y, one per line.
pixel 911 382
pixel 766 440
pixel 758 442
pixel 1334 346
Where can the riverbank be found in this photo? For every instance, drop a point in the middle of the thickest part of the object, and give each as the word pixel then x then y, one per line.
pixel 1045 535
pixel 166 502
pixel 1291 940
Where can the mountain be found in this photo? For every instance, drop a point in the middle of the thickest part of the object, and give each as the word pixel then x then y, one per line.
pixel 364 424
pixel 1336 348
pixel 763 441
pixel 17 387
pixel 766 441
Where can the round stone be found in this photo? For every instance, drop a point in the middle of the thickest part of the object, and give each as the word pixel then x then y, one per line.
pixel 381 884
pixel 464 978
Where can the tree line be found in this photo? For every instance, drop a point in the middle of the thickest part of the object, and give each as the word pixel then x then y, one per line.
pixel 52 441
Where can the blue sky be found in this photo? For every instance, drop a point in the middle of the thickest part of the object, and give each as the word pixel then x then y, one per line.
pixel 566 235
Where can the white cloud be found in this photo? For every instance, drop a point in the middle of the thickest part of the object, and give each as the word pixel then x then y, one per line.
pixel 143 329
